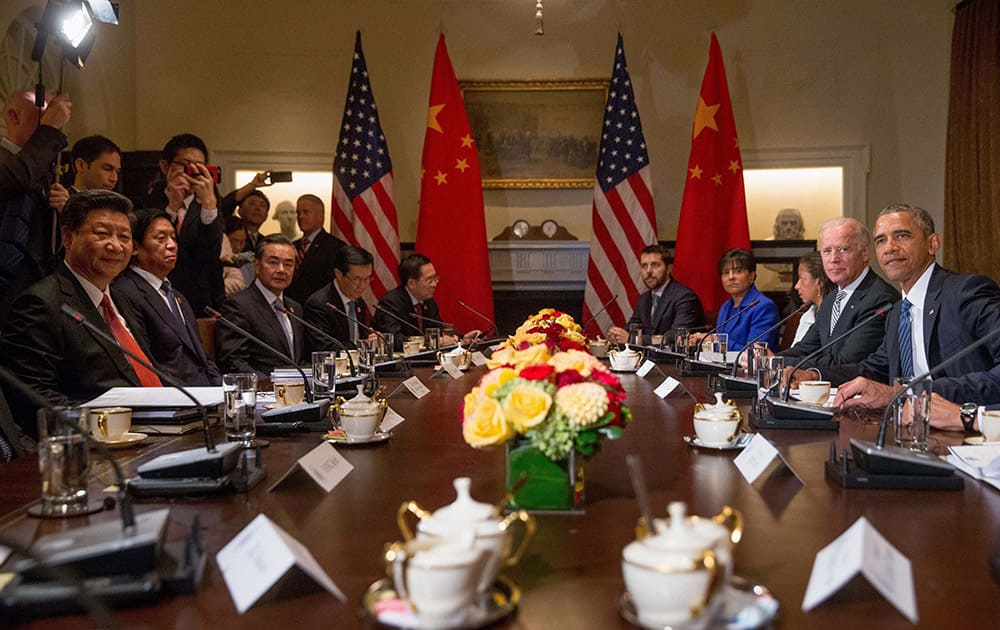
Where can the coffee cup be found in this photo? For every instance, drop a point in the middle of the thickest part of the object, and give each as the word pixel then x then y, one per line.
pixel 989 425
pixel 343 365
pixel 815 392
pixel 110 424
pixel 439 576
pixel 412 346
pixel 286 394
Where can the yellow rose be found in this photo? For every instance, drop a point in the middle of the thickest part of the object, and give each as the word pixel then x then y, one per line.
pixel 545 311
pixel 526 407
pixel 532 355
pixel 582 362
pixel 572 335
pixel 502 356
pixel 485 425
pixel 496 379
pixel 567 322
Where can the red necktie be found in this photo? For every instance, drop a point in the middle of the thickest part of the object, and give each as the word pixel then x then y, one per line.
pixel 419 308
pixel 127 341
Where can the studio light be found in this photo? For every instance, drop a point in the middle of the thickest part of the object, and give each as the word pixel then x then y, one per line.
pixel 72 23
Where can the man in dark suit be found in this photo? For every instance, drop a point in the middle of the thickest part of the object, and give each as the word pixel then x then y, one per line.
pixel 316 249
pixel 667 304
pixel 941 312
pixel 255 309
pixel 29 195
pixel 411 301
pixel 63 361
pixel 97 163
pixel 187 193
pixel 166 314
pixel 352 275
pixel 844 244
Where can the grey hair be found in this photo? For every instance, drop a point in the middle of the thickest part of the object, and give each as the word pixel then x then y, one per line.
pixel 921 216
pixel 861 233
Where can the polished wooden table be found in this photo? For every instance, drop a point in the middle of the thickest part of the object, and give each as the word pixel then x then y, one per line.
pixel 571 575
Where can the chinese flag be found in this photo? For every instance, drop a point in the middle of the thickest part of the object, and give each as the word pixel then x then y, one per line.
pixel 451 226
pixel 714 209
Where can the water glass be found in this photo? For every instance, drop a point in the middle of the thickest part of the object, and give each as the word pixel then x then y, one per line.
pixel 240 400
pixel 63 460
pixel 635 334
pixel 368 353
pixel 324 373
pixel 432 338
pixel 720 345
pixel 387 346
pixel 769 372
pixel 681 340
pixel 913 417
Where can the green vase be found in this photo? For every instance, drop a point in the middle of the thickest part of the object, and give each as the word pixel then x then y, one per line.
pixel 556 486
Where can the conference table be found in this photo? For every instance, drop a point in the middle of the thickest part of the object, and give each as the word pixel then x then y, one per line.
pixel 571 575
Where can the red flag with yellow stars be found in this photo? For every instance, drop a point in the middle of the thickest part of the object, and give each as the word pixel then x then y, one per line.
pixel 451 225
pixel 714 209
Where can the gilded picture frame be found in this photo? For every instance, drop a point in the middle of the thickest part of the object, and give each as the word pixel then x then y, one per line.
pixel 536 134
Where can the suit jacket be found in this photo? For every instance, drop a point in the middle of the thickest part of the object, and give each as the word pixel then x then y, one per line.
pixel 26 244
pixel 399 303
pixel 958 310
pixel 250 311
pixel 63 361
pixel 332 323
pixel 872 293
pixel 316 269
pixel 751 322
pixel 198 273
pixel 176 346
pixel 678 306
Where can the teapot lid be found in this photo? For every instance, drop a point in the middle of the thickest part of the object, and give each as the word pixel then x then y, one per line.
pixel 675 543
pixel 628 350
pixel 464 508
pixel 720 409
pixel 360 404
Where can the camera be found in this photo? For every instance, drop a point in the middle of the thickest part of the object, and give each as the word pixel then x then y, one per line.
pixel 213 171
pixel 275 177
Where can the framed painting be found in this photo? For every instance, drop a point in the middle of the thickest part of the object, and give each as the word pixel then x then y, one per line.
pixel 536 134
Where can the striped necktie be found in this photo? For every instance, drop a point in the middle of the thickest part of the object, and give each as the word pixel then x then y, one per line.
pixel 286 325
pixel 838 304
pixel 905 339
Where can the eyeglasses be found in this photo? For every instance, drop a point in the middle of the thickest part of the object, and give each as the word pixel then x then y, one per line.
pixel 358 280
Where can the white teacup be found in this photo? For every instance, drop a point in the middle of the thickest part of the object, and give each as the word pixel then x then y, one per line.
pixel 438 576
pixel 110 424
pixel 716 431
pixel 815 392
pixel 411 346
pixel 286 394
pixel 625 360
pixel 989 425
pixel 359 428
pixel 599 348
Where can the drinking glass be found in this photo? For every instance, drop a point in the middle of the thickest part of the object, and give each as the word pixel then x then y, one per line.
pixel 769 372
pixel 681 340
pixel 913 417
pixel 239 391
pixel 63 460
pixel 720 345
pixel 324 373
pixel 635 334
pixel 368 352
pixel 432 338
pixel 386 346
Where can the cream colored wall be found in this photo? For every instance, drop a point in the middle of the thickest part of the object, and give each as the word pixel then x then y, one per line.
pixel 259 75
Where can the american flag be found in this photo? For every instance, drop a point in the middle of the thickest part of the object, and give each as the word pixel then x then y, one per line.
pixel 623 217
pixel 365 213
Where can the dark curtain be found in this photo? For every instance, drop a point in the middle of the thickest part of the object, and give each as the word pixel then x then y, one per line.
pixel 972 157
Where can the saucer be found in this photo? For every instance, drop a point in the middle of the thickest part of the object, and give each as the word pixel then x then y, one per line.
pixel 383 605
pixel 338 436
pixel 623 371
pixel 127 440
pixel 739 443
pixel 746 606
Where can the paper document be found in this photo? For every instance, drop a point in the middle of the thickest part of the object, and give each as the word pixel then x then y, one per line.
pixel 136 397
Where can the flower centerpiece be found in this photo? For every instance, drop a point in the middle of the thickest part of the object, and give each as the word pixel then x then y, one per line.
pixel 551 411
pixel 555 329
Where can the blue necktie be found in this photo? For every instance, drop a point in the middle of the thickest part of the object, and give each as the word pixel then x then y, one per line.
pixel 172 300
pixel 905 340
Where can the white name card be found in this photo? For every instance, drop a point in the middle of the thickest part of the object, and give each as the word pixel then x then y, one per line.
pixel 391 420
pixel 259 556
pixel 862 549
pixel 415 387
pixel 663 389
pixel 755 458
pixel 478 359
pixel 323 464
pixel 645 368
pixel 451 369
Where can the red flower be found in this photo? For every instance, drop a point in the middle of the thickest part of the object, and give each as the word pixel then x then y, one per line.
pixel 606 378
pixel 536 372
pixel 569 377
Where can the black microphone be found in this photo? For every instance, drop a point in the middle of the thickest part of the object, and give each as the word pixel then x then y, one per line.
pixel 339 311
pixel 879 312
pixel 210 463
pixel 802 309
pixel 319 331
pixel 278 353
pixel 739 311
pixel 379 307
pixel 877 458
pixel 493 327
pixel 603 308
pixel 431 320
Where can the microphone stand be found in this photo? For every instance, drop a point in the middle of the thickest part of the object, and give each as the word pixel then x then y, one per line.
pixel 786 414
pixel 734 387
pixel 876 465
pixel 603 308
pixel 692 367
pixel 379 307
pixel 322 333
pixel 493 327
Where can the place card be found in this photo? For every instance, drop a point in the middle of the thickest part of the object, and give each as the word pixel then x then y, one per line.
pixel 478 359
pixel 757 457
pixel 412 385
pixel 645 368
pixel 663 389
pixel 451 369
pixel 262 555
pixel 391 420
pixel 323 464
pixel 862 549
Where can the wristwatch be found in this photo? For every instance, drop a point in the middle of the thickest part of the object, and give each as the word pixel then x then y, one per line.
pixel 967 412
